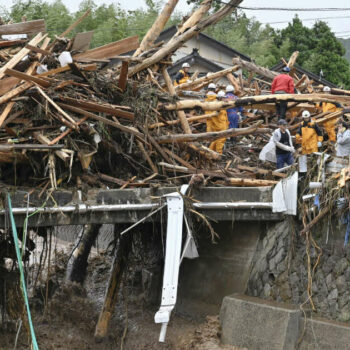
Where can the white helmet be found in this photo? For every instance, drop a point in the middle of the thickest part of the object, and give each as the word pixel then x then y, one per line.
pixel 230 88
pixel 212 86
pixel 186 65
pixel 306 114
pixel 326 89
pixel 221 94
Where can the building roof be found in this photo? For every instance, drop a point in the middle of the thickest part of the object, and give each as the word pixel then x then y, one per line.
pixel 279 66
pixel 168 33
pixel 194 58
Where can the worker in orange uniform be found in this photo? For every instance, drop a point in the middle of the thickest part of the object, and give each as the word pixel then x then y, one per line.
pixel 182 76
pixel 327 107
pixel 219 123
pixel 210 96
pixel 282 84
pixel 310 137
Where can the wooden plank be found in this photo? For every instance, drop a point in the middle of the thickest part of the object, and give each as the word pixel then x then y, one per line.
pixel 94 107
pixel 73 25
pixel 123 77
pixel 26 77
pixel 124 128
pixel 55 71
pixel 20 55
pixel 58 108
pixel 38 50
pixel 7 97
pixel 110 50
pixel 261 171
pixel 46 141
pixel 82 41
pixel 7 43
pixel 31 27
pixel 6 112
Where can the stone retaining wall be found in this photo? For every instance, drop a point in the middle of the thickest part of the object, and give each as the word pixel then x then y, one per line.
pixel 279 270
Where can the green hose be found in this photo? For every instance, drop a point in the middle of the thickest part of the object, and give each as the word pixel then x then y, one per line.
pixel 23 284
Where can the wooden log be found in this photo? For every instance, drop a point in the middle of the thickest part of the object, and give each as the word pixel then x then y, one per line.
pixel 251 100
pixel 252 67
pixel 31 27
pixel 190 120
pixel 110 50
pixel 231 78
pixel 118 267
pixel 195 17
pixel 207 79
pixel 20 55
pixel 111 179
pixel 204 151
pixel 179 40
pixel 106 121
pixel 179 159
pixel 123 77
pixel 211 136
pixel 95 107
pixel 249 182
pixel 261 171
pixel 77 264
pixel 157 27
pixel 293 59
pixel 182 116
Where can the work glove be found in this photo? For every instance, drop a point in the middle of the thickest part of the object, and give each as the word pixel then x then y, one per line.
pixel 319 144
pixel 189 81
pixel 292 149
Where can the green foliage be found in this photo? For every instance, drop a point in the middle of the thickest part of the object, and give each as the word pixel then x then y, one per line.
pixel 249 37
pixel 319 50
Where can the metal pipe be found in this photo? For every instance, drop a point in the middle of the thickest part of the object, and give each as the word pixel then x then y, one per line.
pixel 233 205
pixel 85 208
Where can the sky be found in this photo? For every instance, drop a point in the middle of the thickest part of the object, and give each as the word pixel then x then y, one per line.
pixel 339 24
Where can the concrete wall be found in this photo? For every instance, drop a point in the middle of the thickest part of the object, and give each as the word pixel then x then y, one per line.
pixel 280 269
pixel 258 324
pixel 222 268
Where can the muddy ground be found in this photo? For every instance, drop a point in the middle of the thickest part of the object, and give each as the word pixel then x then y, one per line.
pixel 69 318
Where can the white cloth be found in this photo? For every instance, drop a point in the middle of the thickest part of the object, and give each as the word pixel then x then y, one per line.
pixel 343 144
pixel 303 163
pixel 285 196
pixel 268 153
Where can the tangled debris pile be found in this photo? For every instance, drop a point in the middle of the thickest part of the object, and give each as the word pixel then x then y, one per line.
pixel 70 119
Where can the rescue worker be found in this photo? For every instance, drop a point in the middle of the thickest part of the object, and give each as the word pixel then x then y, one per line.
pixel 219 123
pixel 182 75
pixel 343 140
pixel 210 96
pixel 327 107
pixel 310 137
pixel 233 114
pixel 282 84
pixel 284 145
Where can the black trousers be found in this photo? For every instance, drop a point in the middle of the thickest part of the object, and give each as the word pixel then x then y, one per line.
pixel 281 109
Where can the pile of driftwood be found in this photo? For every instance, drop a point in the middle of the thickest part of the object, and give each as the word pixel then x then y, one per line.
pixel 71 116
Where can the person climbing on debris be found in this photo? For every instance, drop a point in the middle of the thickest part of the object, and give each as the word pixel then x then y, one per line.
pixel 284 145
pixel 210 96
pixel 343 140
pixel 282 84
pixel 327 107
pixel 219 123
pixel 310 137
pixel 182 76
pixel 233 114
